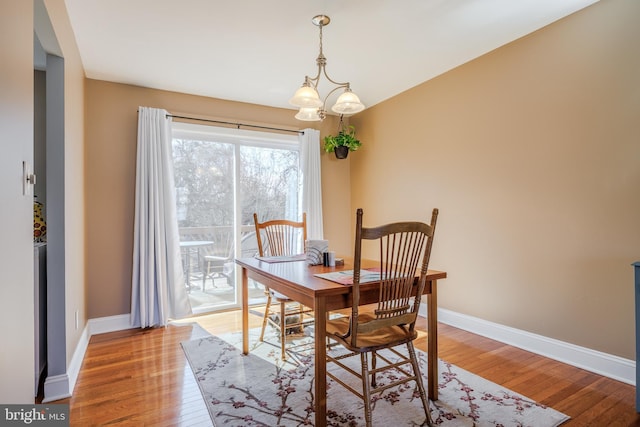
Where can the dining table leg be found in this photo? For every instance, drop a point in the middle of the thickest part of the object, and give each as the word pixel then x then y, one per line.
pixel 320 342
pixel 245 311
pixel 432 341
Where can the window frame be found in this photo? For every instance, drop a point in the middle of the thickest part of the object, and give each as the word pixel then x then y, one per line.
pixel 239 138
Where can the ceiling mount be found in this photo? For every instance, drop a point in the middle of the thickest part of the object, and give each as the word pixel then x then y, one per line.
pixel 321 20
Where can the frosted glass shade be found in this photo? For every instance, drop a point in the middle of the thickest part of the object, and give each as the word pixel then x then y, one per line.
pixel 306 97
pixel 308 115
pixel 348 103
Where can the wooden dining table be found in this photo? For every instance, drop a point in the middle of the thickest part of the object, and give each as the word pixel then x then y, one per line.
pixel 297 280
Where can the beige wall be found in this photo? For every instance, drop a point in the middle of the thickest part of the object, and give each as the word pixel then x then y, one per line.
pixel 110 178
pixel 532 154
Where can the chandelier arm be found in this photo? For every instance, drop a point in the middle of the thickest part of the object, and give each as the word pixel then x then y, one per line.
pixel 313 81
pixel 342 85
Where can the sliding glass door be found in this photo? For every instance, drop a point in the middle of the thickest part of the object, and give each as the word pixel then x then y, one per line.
pixel 222 177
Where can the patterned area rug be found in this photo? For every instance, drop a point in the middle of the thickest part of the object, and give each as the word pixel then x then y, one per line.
pixel 261 390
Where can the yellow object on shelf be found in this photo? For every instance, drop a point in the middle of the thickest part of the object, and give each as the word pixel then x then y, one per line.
pixel 39 224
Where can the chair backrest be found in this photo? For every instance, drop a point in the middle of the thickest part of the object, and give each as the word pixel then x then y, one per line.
pixel 404 249
pixel 281 237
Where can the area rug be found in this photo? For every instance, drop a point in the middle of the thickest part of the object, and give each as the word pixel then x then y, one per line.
pixel 260 389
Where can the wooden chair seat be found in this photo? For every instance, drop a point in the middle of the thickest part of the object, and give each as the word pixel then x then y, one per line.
pixel 376 340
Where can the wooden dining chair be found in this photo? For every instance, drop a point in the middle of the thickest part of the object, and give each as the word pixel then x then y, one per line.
pixel 281 237
pixel 403 251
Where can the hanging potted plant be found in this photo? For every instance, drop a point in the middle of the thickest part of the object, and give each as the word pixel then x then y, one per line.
pixel 343 142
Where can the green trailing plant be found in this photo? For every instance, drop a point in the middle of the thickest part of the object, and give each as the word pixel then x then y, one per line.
pixel 346 137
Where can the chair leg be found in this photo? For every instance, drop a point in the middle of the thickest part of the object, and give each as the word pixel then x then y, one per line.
pixel 267 309
pixel 374 363
pixel 419 383
pixel 283 331
pixel 366 389
pixel 300 310
pixel 205 273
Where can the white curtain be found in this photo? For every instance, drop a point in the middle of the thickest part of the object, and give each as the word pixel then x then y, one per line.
pixel 158 291
pixel 311 182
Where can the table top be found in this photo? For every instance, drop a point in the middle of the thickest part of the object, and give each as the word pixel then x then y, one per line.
pixel 301 274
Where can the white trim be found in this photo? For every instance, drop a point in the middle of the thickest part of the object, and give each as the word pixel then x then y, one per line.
pixel 102 325
pixel 254 138
pixel 605 364
pixel 76 360
pixel 56 387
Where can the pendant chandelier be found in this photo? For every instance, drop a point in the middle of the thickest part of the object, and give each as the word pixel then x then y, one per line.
pixel 312 108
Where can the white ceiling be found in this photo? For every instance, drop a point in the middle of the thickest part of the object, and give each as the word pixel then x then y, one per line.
pixel 259 51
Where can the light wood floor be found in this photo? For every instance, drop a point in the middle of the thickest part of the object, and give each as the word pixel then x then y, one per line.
pixel 141 377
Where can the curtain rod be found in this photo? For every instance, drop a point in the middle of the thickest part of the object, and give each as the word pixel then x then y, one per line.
pixel 235 124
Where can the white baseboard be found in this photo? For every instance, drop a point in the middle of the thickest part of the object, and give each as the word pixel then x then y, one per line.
pixel 102 325
pixel 56 387
pixel 595 361
pixel 78 356
pixel 61 386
